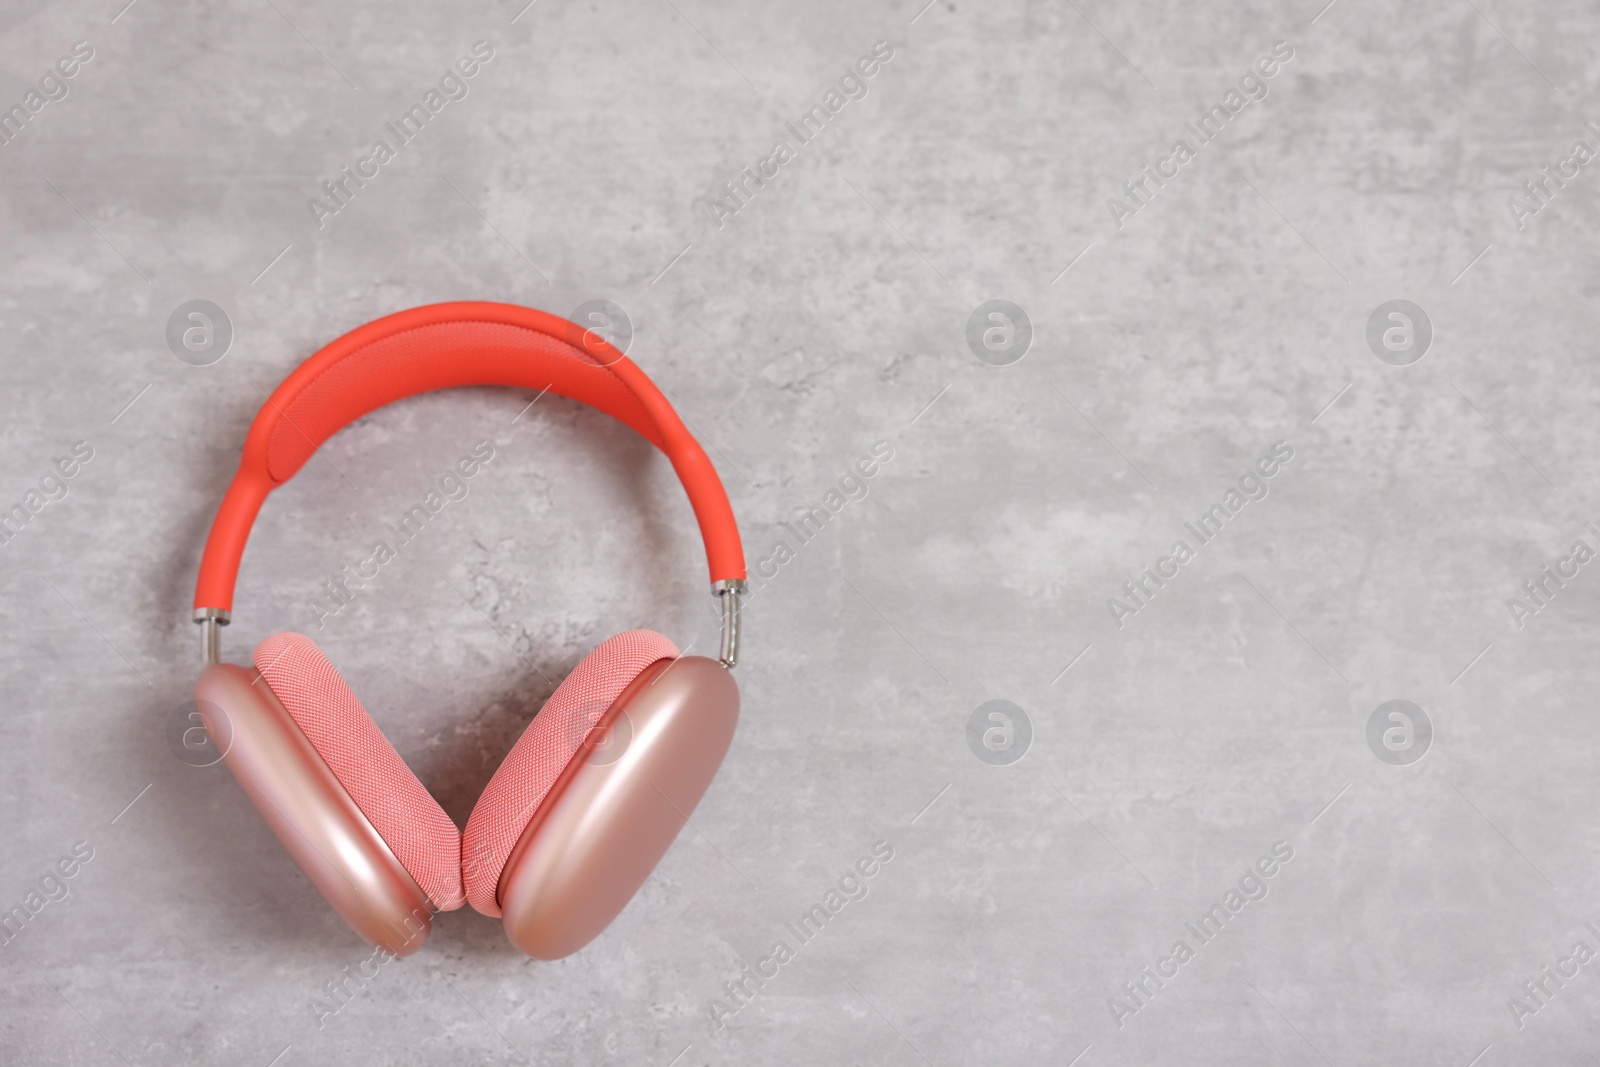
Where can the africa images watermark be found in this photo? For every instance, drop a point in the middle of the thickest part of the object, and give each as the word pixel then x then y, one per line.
pixel 340 190
pixel 53 85
pixel 851 488
pixel 52 488
pixel 53 888
pixel 1541 589
pixel 851 886
pixel 340 589
pixel 1538 193
pixel 1142 187
pixel 1537 993
pixel 1251 888
pixel 1141 589
pixel 337 993
pixel 740 191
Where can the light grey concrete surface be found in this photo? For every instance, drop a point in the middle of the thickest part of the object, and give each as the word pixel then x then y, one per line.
pixel 1172 749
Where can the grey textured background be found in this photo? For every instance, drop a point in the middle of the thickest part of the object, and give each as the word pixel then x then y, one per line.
pixel 827 315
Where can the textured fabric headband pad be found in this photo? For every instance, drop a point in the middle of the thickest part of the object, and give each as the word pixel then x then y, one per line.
pixel 406 363
pixel 437 347
pixel 555 735
pixel 399 807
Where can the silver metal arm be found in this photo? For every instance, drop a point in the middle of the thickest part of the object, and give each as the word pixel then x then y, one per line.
pixel 730 591
pixel 211 621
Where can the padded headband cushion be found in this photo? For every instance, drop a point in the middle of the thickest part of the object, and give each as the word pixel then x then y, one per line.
pixel 442 346
pixel 410 362
pixel 400 808
pixel 536 761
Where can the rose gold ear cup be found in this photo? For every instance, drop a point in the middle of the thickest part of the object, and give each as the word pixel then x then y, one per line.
pixel 310 812
pixel 617 808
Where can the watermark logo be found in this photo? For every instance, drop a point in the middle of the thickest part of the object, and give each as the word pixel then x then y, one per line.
pixel 199 332
pixel 1399 732
pixel 739 192
pixel 852 886
pixel 337 993
pixel 598 742
pixel 190 741
pixel 999 733
pixel 999 332
pixel 452 486
pixel 1538 192
pixel 597 323
pixel 1140 190
pixel 1543 587
pixel 1139 592
pixel 1537 993
pixel 52 487
pixel 52 888
pixel 340 191
pixel 1138 992
pixel 53 85
pixel 797 532
pixel 1399 333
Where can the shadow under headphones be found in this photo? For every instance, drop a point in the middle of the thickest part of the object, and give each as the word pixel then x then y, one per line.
pixel 597 787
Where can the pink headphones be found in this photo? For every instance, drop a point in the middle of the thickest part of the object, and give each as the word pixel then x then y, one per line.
pixel 599 784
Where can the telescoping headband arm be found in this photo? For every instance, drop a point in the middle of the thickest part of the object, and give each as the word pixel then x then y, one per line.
pixel 438 347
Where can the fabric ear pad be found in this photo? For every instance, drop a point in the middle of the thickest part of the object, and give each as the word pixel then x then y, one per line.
pixel 400 808
pixel 521 783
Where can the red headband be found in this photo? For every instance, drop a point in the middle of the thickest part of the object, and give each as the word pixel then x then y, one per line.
pixel 437 347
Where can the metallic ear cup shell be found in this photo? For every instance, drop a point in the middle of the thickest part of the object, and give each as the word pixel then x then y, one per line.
pixel 310 812
pixel 613 814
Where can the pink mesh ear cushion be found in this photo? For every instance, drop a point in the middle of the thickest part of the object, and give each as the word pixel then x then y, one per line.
pixel 400 808
pixel 531 768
